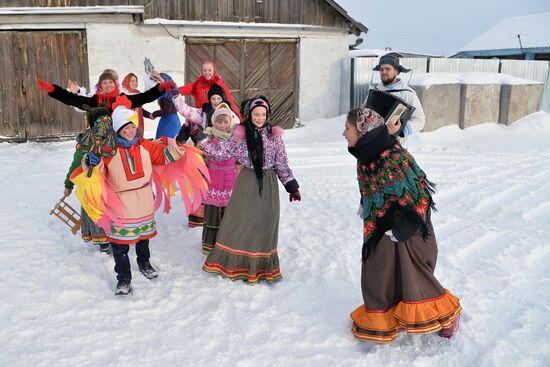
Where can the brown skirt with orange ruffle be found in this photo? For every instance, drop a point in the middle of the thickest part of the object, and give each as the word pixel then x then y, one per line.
pixel 401 292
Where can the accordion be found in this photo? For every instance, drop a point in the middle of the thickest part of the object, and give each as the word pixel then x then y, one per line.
pixel 389 106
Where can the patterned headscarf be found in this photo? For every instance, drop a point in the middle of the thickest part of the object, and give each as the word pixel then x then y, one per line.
pixel 248 105
pixel 368 120
pixel 254 141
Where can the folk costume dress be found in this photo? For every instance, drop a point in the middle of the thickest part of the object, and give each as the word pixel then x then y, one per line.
pixel 203 117
pixel 400 291
pixel 120 195
pixel 246 244
pixel 90 231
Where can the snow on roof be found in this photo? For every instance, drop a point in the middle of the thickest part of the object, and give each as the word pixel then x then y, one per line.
pixel 533 30
pixel 372 52
pixel 426 79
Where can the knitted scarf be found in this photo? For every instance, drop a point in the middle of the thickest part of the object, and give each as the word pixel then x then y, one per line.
pixel 222 135
pixel 392 186
pixel 106 99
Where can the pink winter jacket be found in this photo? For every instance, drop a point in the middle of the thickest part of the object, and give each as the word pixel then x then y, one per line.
pixel 222 179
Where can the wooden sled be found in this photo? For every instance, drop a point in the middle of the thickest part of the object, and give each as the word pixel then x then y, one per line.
pixel 67 215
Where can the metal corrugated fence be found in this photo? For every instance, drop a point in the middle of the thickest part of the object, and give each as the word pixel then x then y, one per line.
pixel 363 77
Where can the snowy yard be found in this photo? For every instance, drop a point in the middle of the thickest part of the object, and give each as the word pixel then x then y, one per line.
pixel 493 228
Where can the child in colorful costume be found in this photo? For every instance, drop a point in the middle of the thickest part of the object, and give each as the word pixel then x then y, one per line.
pixel 246 244
pixel 202 116
pixel 400 291
pixel 90 231
pixel 119 194
pixel 222 176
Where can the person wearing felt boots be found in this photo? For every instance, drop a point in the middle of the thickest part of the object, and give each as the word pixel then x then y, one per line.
pixel 400 291
pixel 128 175
pixel 246 244
pixel 106 93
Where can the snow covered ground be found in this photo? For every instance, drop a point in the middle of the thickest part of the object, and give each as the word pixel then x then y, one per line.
pixel 58 309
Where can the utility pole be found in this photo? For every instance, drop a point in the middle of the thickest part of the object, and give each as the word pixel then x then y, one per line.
pixel 520 45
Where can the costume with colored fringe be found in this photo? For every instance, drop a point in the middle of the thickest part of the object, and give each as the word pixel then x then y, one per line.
pixel 118 195
pixel 400 291
pixel 246 244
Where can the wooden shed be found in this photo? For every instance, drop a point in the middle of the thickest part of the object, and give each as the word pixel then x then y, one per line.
pixel 288 50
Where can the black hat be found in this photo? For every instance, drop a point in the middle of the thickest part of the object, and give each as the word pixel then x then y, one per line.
pixel 215 89
pixel 393 60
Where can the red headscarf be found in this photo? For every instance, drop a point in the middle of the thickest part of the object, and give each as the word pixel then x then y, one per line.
pixel 104 98
pixel 126 83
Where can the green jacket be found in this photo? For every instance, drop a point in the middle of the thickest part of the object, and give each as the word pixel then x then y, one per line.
pixel 77 160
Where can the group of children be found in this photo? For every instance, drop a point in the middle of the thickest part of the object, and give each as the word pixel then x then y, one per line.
pixel 245 158
pixel 122 198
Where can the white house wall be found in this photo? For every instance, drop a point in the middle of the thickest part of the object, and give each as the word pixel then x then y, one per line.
pixel 320 67
pixel 124 46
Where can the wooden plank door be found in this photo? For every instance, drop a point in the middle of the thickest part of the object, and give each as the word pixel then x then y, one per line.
pixel 252 67
pixel 54 57
pixel 270 70
pixel 226 54
pixel 10 89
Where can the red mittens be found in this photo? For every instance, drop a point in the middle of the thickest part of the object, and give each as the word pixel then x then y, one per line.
pixel 167 85
pixel 45 86
pixel 295 196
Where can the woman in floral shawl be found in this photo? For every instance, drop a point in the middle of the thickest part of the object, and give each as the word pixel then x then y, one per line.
pixel 400 291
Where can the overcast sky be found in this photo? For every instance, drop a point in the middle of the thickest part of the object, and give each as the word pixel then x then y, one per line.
pixel 437 27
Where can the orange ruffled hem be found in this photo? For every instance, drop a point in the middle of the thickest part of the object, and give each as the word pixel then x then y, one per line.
pixel 421 317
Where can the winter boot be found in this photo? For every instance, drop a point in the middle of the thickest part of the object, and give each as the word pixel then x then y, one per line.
pixel 123 287
pixel 148 271
pixel 104 247
pixel 451 330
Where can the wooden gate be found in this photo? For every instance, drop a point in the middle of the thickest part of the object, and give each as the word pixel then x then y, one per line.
pixel 26 112
pixel 252 67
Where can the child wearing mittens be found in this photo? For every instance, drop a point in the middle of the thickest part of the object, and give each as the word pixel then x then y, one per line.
pixel 246 244
pixel 120 189
pixel 400 291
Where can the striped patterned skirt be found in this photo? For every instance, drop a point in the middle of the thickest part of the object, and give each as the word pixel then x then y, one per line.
pixel 246 244
pixel 212 219
pixel 401 293
pixel 90 231
pixel 131 231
